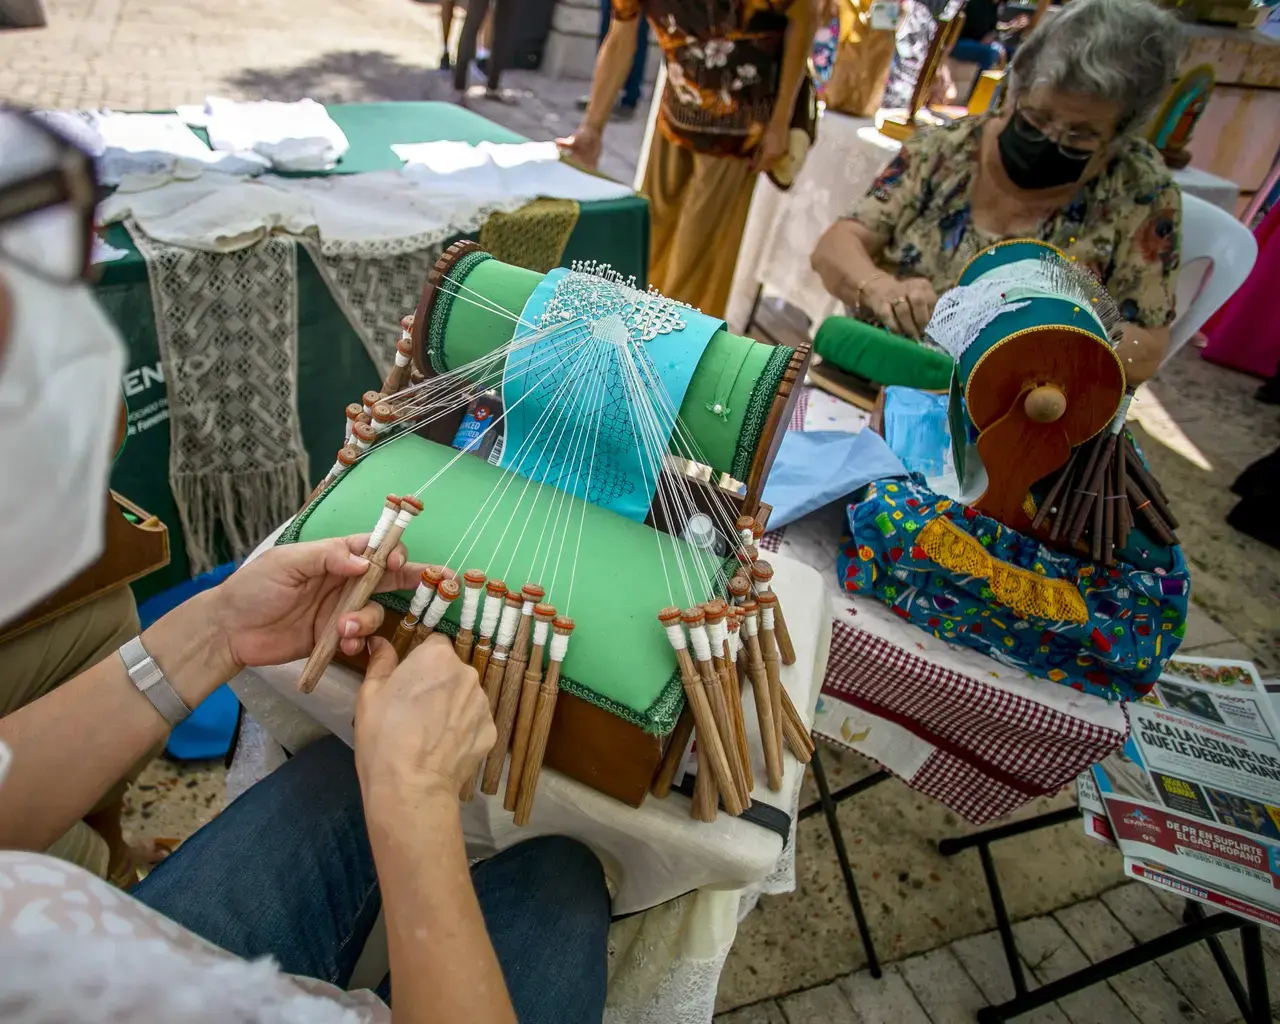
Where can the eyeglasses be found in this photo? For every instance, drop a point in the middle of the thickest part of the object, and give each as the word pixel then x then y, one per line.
pixel 47 199
pixel 1035 127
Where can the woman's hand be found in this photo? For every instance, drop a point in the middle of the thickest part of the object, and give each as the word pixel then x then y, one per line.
pixel 274 609
pixel 772 147
pixel 902 305
pixel 584 146
pixel 422 726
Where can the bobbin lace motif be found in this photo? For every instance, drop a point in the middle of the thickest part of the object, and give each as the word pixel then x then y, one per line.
pixel 227 328
pixel 374 293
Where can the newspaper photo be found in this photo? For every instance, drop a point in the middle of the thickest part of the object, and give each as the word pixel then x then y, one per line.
pixel 1193 798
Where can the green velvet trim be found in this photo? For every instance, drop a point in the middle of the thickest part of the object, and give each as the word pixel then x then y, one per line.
pixel 443 306
pixel 620 658
pixel 757 413
pixel 880 357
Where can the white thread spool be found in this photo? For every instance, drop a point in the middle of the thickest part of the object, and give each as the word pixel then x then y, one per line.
pixel 540 631
pixel 436 612
pixel 470 605
pixel 507 624
pixel 766 617
pixel 701 642
pixel 716 633
pixel 675 633
pixel 559 646
pixel 751 624
pixel 493 606
pixel 421 597
pixel 383 524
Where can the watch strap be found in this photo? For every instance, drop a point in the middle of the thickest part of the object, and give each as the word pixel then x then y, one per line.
pixel 151 682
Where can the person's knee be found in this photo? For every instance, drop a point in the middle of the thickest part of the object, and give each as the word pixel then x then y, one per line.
pixel 567 875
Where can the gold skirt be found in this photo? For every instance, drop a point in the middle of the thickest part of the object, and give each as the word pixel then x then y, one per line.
pixel 698 209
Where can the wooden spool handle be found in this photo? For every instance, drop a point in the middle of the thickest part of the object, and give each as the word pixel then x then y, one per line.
pixel 1045 404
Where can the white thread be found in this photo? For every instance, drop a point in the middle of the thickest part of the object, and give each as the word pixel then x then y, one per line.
pixel 676 635
pixel 404 519
pixel 368 410
pixel 507 624
pixel 735 644
pixel 421 597
pixel 766 617
pixel 380 428
pixel 436 612
pixel 489 618
pixel 527 608
pixel 748 537
pixel 470 605
pixel 540 630
pixel 405 336
pixel 350 428
pixel 752 625
pixel 701 642
pixel 716 633
pixel 401 358
pixel 339 468
pixel 559 645
pixel 381 527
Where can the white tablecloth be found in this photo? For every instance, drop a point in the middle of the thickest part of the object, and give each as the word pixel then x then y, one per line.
pixel 783 227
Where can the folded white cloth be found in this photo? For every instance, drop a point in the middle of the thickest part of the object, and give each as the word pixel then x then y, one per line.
pixel 297 136
pixel 125 144
pixel 494 170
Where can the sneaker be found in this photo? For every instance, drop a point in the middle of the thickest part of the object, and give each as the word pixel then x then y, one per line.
pixel 623 112
pixel 582 102
pixel 445 63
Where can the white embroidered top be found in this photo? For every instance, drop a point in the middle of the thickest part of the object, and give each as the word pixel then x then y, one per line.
pixel 73 948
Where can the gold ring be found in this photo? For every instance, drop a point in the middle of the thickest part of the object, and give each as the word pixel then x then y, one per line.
pixel 900 298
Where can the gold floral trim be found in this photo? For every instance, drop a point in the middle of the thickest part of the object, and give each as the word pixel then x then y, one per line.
pixel 1025 592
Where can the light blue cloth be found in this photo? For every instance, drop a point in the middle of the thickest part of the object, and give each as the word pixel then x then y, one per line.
pixel 916 429
pixel 814 468
pixel 581 432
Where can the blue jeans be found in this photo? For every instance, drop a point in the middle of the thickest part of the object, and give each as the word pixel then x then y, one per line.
pixel 286 871
pixel 631 89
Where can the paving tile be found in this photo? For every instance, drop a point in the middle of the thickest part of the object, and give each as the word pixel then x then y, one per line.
pixel 982 957
pixel 759 1013
pixel 943 987
pixel 824 1005
pixel 1051 954
pixel 885 1000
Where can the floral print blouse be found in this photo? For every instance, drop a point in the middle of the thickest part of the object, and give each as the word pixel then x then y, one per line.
pixel 723 61
pixel 1124 225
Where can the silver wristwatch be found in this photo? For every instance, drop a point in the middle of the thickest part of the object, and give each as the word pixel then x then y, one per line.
pixel 150 681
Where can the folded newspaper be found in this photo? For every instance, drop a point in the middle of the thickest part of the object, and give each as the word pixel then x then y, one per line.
pixel 1192 800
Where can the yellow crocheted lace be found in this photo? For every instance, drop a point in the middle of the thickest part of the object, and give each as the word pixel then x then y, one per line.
pixel 533 236
pixel 1025 592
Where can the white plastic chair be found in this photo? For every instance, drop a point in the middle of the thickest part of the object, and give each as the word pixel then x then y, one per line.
pixel 1218 253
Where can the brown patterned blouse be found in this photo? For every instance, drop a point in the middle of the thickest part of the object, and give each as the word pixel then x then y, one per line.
pixel 1124 225
pixel 723 61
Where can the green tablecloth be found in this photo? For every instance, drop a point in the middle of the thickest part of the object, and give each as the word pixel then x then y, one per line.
pixel 332 364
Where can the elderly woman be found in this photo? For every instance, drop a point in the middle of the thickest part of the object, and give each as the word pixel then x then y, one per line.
pixel 1061 163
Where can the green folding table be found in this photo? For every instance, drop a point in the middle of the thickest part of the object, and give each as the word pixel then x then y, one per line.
pixel 332 364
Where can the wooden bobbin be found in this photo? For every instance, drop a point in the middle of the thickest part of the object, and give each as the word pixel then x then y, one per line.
pixel 384 417
pixel 677 744
pixel 794 731
pixel 406 323
pixel 548 693
pixel 473 582
pixel 757 531
pixel 720 741
pixel 348 456
pixel 432 577
pixel 363 436
pixel 761 577
pixel 712 760
pixel 446 594
pixel 756 669
pixel 398 376
pixel 495 688
pixel 770 734
pixel 494 602
pixel 353 413
pixel 739 588
pixel 718 633
pixel 327 645
pixel 512 682
pixel 370 399
pixel 543 615
pixel 745 525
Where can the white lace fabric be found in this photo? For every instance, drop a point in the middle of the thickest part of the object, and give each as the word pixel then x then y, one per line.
pixel 74 948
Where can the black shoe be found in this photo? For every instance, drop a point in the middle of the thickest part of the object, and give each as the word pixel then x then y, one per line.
pixel 582 102
pixel 1257 519
pixel 623 112
pixel 445 63
pixel 482 65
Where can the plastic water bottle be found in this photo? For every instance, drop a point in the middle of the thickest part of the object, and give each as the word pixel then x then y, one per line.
pixel 476 433
pixel 700 532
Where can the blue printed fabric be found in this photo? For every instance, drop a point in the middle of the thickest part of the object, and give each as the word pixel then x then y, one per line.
pixel 1133 620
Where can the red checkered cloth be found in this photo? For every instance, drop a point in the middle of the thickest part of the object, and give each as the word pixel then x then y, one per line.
pixel 771 540
pixel 994 750
pixel 800 411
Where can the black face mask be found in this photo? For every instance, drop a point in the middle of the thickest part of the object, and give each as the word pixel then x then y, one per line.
pixel 1033 165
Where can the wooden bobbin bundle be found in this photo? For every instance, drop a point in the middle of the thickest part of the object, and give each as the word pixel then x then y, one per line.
pixel 618 707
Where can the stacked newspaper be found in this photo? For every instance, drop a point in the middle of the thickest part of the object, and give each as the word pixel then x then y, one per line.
pixel 1192 800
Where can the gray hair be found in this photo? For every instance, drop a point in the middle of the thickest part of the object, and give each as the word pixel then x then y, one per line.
pixel 1126 51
